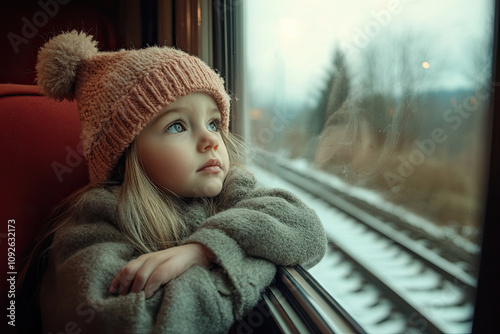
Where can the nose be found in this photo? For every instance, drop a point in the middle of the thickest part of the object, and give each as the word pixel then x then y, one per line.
pixel 208 141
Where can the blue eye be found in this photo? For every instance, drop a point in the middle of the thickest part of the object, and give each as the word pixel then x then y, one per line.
pixel 175 128
pixel 213 126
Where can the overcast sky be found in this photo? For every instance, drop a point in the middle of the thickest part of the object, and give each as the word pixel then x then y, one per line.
pixel 291 43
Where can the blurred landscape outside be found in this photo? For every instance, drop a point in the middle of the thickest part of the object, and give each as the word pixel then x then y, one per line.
pixel 388 95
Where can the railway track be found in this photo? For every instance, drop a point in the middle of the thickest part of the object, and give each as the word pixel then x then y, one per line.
pixel 391 276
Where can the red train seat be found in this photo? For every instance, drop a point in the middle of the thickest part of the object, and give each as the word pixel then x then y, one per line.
pixel 41 163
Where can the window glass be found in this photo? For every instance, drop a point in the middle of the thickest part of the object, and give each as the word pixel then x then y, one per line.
pixel 387 95
pixel 385 100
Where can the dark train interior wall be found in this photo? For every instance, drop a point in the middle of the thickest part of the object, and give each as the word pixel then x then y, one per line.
pixel 115 24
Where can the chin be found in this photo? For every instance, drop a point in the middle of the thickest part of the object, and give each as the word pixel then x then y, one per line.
pixel 211 189
pixel 212 193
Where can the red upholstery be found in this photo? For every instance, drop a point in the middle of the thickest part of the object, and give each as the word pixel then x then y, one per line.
pixel 40 164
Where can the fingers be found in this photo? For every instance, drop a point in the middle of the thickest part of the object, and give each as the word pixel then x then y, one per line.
pixel 122 281
pixel 164 273
pixel 161 275
pixel 134 276
pixel 143 274
pixel 150 271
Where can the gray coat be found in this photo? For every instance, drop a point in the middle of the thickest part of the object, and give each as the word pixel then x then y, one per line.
pixel 259 229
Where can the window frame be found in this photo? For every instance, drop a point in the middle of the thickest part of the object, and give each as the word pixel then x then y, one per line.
pixel 487 307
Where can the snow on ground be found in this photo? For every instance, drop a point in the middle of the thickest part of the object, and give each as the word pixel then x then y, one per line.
pixel 334 281
pixel 359 300
pixel 377 200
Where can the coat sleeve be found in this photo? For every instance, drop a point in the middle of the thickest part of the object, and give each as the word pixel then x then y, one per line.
pixel 87 254
pixel 272 224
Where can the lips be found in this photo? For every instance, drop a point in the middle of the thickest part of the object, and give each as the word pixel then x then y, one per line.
pixel 212 166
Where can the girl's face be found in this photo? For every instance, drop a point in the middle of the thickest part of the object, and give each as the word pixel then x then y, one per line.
pixel 181 149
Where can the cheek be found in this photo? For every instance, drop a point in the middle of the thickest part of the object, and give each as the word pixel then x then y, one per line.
pixel 157 166
pixel 156 163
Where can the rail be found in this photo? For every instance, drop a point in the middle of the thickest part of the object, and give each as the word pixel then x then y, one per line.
pixel 299 304
pixel 442 303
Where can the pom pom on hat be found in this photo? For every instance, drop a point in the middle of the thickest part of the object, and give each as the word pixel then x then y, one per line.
pixel 58 62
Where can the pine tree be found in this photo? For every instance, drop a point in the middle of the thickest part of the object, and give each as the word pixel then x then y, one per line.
pixel 333 94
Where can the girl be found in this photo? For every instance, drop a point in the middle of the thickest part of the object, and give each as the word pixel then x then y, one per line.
pixel 171 235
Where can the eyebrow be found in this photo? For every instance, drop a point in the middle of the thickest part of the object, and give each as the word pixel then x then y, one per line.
pixel 214 110
pixel 160 115
pixel 165 112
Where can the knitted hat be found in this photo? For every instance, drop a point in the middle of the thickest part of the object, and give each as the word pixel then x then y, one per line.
pixel 118 93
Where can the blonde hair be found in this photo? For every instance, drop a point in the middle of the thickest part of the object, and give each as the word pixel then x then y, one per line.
pixel 147 216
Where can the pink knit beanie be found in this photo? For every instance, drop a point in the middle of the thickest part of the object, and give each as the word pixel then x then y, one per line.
pixel 119 92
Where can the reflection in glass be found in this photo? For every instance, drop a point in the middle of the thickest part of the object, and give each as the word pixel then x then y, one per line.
pixel 387 95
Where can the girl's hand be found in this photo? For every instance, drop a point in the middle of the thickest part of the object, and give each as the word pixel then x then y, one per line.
pixel 151 271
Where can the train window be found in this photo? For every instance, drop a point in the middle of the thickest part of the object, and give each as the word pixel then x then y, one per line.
pixel 376 112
